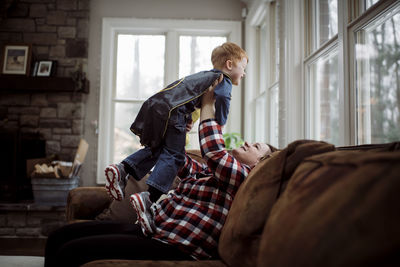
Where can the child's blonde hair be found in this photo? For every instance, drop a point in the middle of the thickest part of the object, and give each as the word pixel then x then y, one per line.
pixel 227 51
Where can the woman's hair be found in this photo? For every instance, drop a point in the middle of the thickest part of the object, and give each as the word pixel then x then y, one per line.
pixel 227 51
pixel 268 154
pixel 273 149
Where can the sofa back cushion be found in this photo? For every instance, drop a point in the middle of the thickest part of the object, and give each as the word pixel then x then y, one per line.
pixel 386 147
pixel 339 209
pixel 122 211
pixel 239 241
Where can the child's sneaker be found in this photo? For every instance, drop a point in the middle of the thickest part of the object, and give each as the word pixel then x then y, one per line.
pixel 141 203
pixel 116 180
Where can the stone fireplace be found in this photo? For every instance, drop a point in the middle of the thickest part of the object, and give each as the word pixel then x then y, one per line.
pixel 42 116
pixel 36 125
pixel 39 116
pixel 40 123
pixel 17 147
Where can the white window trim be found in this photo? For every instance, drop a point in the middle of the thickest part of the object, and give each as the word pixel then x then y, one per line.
pixel 346 72
pixel 345 122
pixel 336 42
pixel 351 29
pixel 254 18
pixel 291 73
pixel 172 28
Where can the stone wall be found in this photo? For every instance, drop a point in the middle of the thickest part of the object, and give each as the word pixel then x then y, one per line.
pixel 29 220
pixel 57 117
pixel 56 29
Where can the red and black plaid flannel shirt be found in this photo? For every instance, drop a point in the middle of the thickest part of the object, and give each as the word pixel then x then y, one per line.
pixel 192 215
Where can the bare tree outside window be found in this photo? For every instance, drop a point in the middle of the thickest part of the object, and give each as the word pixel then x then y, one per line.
pixel 139 74
pixel 378 79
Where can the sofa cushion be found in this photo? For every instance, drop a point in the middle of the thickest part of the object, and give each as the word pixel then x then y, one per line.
pixel 123 211
pixel 373 147
pixel 339 209
pixel 149 263
pixel 84 203
pixel 239 241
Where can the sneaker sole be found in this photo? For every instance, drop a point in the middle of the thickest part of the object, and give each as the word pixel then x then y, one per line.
pixel 112 182
pixel 138 205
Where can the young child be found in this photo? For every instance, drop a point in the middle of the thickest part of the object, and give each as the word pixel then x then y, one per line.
pixel 163 120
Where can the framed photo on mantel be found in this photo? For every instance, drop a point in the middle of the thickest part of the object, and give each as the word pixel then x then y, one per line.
pixel 44 68
pixel 16 59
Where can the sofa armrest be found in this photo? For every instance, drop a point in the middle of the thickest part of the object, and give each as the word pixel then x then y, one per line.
pixel 85 203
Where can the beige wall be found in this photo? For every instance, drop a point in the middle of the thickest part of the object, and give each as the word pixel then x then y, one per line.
pixel 160 9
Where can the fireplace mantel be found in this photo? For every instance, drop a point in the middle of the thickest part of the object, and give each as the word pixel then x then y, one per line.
pixel 24 84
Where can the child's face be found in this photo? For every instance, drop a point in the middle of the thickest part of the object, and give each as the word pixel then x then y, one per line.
pixel 237 71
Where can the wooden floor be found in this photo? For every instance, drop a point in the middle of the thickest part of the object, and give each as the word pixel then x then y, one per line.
pixel 22 246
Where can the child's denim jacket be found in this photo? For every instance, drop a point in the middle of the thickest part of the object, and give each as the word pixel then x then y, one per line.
pixel 183 95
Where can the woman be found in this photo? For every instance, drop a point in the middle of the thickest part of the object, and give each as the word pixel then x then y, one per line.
pixel 187 223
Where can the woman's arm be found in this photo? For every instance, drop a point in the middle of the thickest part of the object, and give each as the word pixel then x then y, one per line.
pixel 225 167
pixel 208 100
pixel 193 169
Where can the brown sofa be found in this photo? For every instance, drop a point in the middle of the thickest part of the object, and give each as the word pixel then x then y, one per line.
pixel 310 204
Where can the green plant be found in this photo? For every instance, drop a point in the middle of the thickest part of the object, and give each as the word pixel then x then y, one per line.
pixel 232 140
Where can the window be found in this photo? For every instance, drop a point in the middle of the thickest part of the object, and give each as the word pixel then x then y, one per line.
pixel 262 82
pixel 194 56
pixel 339 79
pixel 139 58
pixel 274 115
pixel 324 96
pixel 377 78
pixel 195 53
pixel 369 3
pixel 325 21
pixel 322 92
pixel 359 106
pixel 137 78
pixel 260 93
pixel 273 82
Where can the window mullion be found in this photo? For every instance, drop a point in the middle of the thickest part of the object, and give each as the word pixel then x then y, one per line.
pixel 172 57
pixel 346 112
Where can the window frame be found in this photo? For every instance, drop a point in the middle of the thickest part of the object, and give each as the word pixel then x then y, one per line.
pixel 312 122
pixel 361 20
pixel 295 50
pixel 172 29
pixel 261 76
pixel 313 54
pixel 351 17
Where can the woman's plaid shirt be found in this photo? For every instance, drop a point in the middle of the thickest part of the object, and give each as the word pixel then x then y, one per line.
pixel 192 215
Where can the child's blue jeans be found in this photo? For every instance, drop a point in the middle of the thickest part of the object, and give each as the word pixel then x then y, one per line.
pixel 166 159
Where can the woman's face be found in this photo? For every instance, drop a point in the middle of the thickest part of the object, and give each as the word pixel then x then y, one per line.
pixel 250 154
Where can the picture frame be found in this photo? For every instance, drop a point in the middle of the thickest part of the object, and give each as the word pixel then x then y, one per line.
pixel 16 59
pixel 45 68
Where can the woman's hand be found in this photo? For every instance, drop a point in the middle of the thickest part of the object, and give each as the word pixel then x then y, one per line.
pixel 208 100
pixel 189 126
